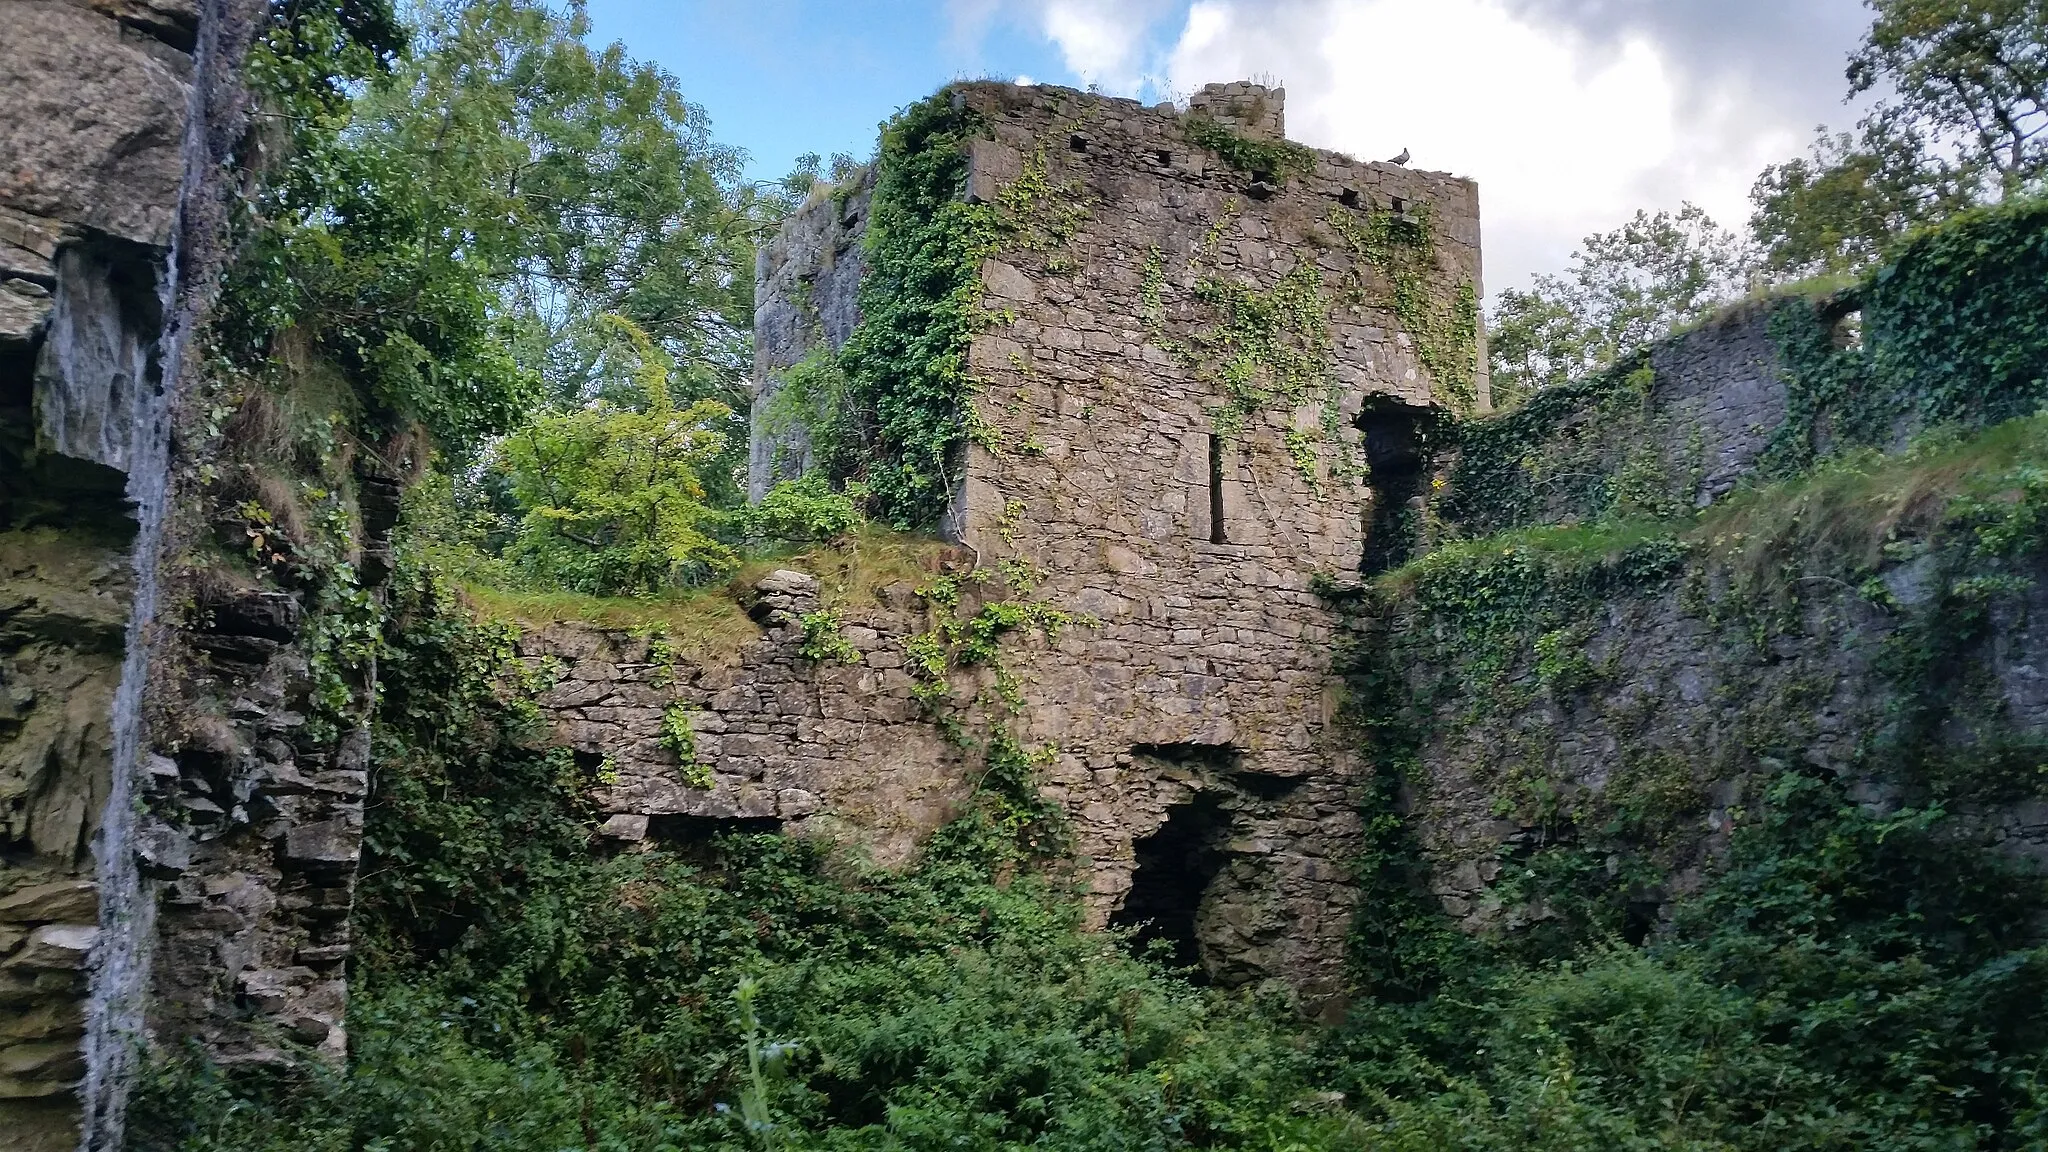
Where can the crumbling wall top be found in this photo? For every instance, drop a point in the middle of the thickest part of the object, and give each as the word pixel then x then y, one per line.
pixel 1252 109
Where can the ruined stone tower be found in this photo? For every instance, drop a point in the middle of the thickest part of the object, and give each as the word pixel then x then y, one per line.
pixel 1206 363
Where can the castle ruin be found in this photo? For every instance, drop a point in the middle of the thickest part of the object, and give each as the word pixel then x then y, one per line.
pixel 1206 359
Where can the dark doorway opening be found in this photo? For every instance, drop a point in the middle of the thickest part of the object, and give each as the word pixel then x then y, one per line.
pixel 1397 449
pixel 696 838
pixel 1176 865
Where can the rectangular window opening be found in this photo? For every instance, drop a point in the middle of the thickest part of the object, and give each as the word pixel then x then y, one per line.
pixel 1216 533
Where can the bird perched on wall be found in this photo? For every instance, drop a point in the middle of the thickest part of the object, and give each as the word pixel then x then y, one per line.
pixel 1402 159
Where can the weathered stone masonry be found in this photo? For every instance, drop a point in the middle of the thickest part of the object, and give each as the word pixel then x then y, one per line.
pixel 832 748
pixel 1210 787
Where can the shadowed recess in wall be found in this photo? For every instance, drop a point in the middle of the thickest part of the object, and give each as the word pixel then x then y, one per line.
pixel 695 837
pixel 1176 866
pixel 1397 441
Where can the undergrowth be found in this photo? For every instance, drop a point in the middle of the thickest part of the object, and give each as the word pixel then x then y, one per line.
pixel 521 988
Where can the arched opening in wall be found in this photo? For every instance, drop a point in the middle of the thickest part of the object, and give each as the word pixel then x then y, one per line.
pixel 1397 441
pixel 1176 866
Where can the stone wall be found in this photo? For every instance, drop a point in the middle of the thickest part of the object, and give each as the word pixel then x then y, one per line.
pixel 256 858
pixel 1640 709
pixel 1204 693
pixel 1683 706
pixel 1252 109
pixel 1670 428
pixel 807 295
pixel 1211 790
pixel 823 748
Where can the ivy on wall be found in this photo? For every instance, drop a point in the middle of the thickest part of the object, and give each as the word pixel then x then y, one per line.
pixel 906 364
pixel 1957 322
pixel 1401 248
pixel 1277 159
pixel 907 388
pixel 1269 351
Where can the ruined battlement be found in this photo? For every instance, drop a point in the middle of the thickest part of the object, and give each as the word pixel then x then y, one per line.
pixel 1253 109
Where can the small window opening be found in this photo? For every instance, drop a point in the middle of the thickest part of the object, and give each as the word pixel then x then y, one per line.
pixel 1164 157
pixel 1350 198
pixel 1847 333
pixel 1175 867
pixel 1077 143
pixel 1217 535
pixel 1400 206
pixel 1397 452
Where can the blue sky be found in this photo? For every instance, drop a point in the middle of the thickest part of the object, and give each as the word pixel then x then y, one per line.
pixel 784 77
pixel 1571 114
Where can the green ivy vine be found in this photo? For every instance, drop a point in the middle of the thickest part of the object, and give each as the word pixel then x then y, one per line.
pixel 1401 246
pixel 906 373
pixel 1279 159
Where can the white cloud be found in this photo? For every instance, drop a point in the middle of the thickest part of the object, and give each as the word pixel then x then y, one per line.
pixel 1103 42
pixel 1566 134
pixel 1571 114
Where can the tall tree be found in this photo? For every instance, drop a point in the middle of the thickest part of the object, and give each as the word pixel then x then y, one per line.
pixel 1623 289
pixel 590 187
pixel 1961 118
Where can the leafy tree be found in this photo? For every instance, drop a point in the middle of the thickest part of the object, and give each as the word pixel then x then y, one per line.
pixel 345 258
pixel 1623 289
pixel 1963 119
pixel 811 170
pixel 590 188
pixel 613 495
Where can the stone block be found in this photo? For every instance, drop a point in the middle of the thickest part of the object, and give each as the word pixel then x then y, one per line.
pixel 72 900
pixel 56 947
pixel 335 843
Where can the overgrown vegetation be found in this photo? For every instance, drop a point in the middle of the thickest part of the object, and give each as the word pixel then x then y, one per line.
pixel 900 417
pixel 1854 969
pixel 522 989
pixel 1849 977
pixel 1271 159
pixel 906 365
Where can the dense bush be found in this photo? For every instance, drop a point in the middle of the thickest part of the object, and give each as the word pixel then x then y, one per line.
pixel 1854 980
